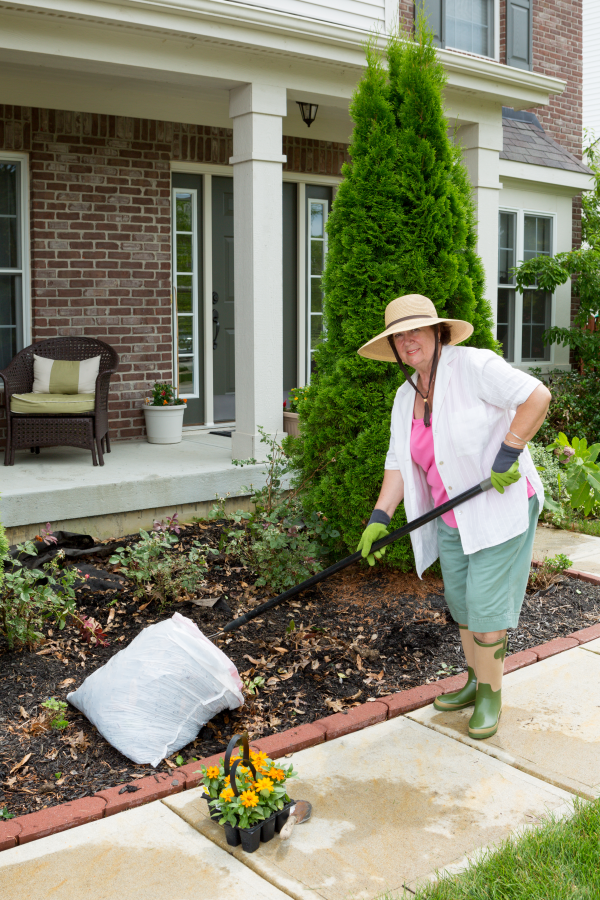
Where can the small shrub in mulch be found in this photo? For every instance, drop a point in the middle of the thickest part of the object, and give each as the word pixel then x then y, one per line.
pixel 360 635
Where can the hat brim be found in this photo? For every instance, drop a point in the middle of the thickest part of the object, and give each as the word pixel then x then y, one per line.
pixel 379 347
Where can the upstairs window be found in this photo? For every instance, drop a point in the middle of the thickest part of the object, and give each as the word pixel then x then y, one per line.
pixel 462 24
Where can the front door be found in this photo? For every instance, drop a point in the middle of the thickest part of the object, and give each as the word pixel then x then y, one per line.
pixel 223 299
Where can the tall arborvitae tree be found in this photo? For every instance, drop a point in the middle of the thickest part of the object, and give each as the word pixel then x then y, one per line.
pixel 402 222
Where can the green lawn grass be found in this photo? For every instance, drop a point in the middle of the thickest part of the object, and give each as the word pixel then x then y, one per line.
pixel 558 860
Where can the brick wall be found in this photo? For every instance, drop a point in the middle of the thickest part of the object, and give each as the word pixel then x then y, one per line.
pixel 557 51
pixel 101 231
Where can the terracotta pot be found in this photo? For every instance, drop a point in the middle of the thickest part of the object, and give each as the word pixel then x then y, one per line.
pixel 291 423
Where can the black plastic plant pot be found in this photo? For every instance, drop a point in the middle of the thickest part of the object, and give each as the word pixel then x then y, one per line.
pixel 251 837
pixel 267 832
pixel 215 814
pixel 233 835
pixel 282 817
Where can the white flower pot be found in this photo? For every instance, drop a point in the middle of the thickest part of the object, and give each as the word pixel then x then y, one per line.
pixel 164 424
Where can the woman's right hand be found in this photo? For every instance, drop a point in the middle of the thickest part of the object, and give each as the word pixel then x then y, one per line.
pixel 371 534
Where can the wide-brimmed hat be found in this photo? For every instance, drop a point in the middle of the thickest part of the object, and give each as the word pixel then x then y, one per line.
pixel 404 314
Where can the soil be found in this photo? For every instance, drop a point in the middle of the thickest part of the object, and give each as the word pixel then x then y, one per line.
pixel 362 634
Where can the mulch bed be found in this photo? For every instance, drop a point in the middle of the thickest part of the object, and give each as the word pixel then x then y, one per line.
pixel 362 634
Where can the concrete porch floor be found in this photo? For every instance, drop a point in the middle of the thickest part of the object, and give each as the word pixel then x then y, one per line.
pixel 138 483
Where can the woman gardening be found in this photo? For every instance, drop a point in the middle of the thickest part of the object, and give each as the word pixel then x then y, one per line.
pixel 468 417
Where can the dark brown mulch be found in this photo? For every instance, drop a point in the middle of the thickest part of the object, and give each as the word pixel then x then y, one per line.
pixel 362 634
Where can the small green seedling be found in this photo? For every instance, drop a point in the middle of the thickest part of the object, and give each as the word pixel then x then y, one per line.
pixel 5 814
pixel 57 708
pixel 253 684
pixel 291 626
pixel 445 669
pixel 179 760
pixel 58 775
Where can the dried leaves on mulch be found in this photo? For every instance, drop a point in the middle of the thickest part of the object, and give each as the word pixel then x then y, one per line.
pixel 360 635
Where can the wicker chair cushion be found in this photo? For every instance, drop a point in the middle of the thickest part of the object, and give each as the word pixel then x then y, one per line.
pixel 64 376
pixel 52 404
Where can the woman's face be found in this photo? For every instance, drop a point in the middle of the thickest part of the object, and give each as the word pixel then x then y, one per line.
pixel 416 347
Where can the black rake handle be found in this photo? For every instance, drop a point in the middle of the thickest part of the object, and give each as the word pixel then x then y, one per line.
pixel 485 485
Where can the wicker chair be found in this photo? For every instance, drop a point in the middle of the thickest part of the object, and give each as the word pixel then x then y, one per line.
pixel 88 430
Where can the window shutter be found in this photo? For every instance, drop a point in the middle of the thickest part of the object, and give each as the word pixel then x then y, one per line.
pixel 519 40
pixel 432 10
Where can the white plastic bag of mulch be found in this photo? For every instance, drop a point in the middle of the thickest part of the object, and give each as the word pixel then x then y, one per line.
pixel 154 696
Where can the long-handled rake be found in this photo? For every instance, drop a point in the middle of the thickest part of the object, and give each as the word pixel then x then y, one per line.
pixel 485 485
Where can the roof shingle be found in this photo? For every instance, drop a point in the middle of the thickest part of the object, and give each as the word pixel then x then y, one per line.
pixel 525 142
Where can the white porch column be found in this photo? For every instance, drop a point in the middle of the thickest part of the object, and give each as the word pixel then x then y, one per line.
pixel 257 111
pixel 482 143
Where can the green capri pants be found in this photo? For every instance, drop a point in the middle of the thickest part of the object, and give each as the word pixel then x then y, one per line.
pixel 485 590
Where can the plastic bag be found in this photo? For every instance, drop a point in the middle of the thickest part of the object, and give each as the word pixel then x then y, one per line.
pixel 154 696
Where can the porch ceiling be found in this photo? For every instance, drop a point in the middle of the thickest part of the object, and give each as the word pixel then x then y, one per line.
pixel 211 45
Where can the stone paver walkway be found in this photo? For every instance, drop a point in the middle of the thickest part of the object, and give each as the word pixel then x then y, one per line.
pixel 148 853
pixel 583 549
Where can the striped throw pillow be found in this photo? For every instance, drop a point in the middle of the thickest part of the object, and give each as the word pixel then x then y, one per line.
pixel 64 376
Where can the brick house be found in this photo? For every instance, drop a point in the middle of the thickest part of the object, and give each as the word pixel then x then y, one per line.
pixel 135 137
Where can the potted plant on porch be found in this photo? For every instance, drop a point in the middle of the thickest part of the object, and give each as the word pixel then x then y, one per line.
pixel 291 419
pixel 164 415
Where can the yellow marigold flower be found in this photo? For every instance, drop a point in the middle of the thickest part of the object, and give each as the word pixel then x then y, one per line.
pixel 259 758
pixel 212 772
pixel 277 774
pixel 249 798
pixel 263 784
pixel 226 794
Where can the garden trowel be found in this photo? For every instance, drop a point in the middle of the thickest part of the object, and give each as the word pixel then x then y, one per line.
pixel 299 813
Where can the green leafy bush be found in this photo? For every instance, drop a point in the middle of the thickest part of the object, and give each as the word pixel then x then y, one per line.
pixel 278 540
pixel 157 572
pixel 552 476
pixel 29 597
pixel 582 474
pixel 575 407
pixel 402 222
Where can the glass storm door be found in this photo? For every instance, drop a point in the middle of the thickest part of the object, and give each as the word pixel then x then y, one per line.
pixel 187 307
pixel 223 299
pixel 318 210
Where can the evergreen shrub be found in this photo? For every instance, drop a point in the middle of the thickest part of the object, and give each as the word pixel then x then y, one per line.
pixel 575 409
pixel 402 222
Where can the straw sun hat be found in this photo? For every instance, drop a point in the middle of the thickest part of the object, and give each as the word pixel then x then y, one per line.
pixel 404 314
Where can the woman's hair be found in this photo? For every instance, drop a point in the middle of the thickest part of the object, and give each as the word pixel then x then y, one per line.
pixel 445 332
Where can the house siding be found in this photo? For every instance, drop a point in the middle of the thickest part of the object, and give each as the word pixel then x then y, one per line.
pixel 100 209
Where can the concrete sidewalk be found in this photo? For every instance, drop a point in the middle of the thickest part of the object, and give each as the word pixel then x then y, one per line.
pixel 392 804
pixel 583 549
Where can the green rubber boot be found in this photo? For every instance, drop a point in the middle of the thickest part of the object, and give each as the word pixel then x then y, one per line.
pixel 459 699
pixel 466 695
pixel 489 659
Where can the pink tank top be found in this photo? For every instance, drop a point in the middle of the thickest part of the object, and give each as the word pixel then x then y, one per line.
pixel 421 450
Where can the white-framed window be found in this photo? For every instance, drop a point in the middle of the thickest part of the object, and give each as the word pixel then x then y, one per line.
pixel 15 315
pixel 185 280
pixel 522 319
pixel 466 25
pixel 316 240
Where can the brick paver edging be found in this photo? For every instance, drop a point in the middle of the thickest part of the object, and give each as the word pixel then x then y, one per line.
pixel 24 829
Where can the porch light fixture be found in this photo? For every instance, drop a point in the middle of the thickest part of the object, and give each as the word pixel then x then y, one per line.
pixel 308 111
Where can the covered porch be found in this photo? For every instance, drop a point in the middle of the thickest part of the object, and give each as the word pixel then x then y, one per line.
pixel 141 482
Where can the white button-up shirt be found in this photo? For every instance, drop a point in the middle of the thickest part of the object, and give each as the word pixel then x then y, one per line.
pixel 475 399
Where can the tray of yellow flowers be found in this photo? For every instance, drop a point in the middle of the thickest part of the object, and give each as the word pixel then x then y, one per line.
pixel 247 794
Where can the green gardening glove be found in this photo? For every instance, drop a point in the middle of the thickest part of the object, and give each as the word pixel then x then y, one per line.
pixel 500 480
pixel 371 534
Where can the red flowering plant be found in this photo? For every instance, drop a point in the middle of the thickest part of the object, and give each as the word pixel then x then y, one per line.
pixel 259 796
pixel 163 394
